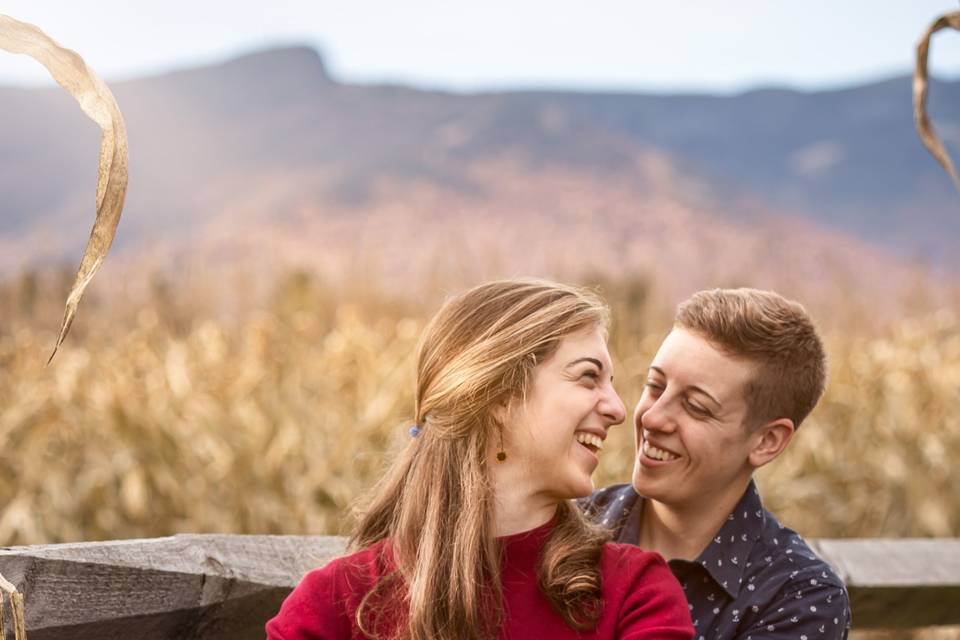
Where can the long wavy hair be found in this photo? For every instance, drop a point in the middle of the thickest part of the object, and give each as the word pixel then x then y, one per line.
pixel 435 505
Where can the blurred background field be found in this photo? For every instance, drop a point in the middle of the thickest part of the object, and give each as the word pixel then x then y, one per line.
pixel 212 408
pixel 172 415
pixel 268 405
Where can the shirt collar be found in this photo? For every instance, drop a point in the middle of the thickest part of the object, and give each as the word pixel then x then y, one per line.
pixel 725 557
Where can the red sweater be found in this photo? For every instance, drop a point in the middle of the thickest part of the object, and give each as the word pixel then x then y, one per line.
pixel 641 598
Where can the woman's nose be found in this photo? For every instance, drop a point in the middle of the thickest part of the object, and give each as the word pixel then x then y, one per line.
pixel 612 408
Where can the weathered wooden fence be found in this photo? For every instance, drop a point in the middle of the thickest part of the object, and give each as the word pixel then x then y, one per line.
pixel 228 586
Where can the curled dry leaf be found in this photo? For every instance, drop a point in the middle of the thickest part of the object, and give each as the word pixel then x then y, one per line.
pixel 96 100
pixel 16 610
pixel 920 85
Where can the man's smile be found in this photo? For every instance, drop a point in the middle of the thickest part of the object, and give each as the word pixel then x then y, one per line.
pixel 656 453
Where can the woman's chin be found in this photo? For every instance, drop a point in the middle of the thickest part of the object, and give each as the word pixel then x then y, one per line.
pixel 583 488
pixel 572 490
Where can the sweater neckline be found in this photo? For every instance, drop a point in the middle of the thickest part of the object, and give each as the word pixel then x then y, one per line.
pixel 524 548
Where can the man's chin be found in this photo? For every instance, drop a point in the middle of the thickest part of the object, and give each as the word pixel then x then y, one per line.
pixel 644 485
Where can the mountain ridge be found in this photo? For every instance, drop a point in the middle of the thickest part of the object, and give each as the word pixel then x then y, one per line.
pixel 269 143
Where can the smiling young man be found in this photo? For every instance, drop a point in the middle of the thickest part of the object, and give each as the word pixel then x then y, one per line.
pixel 725 394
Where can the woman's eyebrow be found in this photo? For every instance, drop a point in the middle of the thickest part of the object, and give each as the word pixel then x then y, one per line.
pixel 585 359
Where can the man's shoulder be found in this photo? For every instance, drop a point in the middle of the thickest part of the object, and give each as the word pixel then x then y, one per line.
pixel 783 584
pixel 783 550
pixel 776 552
pixel 790 586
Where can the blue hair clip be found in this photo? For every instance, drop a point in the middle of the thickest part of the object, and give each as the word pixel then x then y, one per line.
pixel 414 431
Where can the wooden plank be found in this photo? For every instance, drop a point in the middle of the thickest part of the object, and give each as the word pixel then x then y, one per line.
pixel 185 586
pixel 898 583
pixel 227 586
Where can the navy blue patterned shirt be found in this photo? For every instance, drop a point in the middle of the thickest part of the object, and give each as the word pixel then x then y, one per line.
pixel 756 580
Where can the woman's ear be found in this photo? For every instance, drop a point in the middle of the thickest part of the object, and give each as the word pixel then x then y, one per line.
pixel 500 411
pixel 769 441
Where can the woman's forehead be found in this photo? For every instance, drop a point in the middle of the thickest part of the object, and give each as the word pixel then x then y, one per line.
pixel 586 343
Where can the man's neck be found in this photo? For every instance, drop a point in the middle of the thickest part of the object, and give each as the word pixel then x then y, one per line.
pixel 684 531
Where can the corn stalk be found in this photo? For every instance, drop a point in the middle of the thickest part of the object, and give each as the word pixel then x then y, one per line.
pixel 920 86
pixel 96 100
pixel 16 610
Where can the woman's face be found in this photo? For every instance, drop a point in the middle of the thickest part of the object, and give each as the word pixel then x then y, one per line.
pixel 556 434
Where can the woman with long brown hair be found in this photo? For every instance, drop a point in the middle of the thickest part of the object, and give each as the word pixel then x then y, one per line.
pixel 472 533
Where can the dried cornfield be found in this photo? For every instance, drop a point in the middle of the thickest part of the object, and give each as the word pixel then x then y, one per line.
pixel 162 419
pixel 169 415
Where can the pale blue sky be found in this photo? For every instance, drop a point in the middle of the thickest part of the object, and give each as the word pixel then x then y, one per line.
pixel 490 44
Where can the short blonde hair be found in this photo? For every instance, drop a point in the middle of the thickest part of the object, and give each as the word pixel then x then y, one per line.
pixel 774 333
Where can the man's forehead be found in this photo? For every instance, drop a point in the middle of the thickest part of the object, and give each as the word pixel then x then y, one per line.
pixel 693 359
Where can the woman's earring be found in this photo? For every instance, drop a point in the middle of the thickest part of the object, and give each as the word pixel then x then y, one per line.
pixel 501 454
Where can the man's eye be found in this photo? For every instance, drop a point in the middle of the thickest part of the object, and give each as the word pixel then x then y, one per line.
pixel 653 387
pixel 697 410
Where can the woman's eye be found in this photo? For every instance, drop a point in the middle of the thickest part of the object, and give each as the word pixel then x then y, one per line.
pixel 590 378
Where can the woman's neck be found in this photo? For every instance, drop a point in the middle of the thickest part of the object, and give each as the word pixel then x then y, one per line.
pixel 518 506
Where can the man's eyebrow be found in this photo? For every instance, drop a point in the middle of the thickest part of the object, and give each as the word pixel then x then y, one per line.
pixel 586 359
pixel 693 387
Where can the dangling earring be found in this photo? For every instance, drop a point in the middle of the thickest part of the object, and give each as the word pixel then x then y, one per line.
pixel 501 454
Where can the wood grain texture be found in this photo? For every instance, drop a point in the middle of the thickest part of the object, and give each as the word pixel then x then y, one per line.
pixel 228 586
pixel 898 583
pixel 185 586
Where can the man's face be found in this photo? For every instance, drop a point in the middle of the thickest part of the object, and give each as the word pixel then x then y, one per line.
pixel 692 444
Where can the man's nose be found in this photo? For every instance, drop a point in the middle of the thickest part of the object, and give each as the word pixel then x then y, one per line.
pixel 657 417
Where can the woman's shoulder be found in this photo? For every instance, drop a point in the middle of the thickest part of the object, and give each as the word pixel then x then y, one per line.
pixel 326 597
pixel 621 558
pixel 644 594
pixel 357 571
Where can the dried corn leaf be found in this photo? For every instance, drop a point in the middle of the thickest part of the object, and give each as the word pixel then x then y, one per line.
pixel 16 608
pixel 96 100
pixel 920 85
